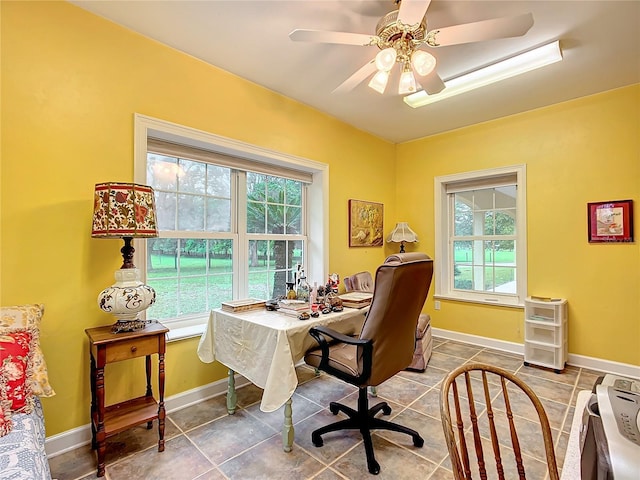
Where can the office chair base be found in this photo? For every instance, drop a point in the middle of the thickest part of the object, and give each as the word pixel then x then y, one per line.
pixel 364 420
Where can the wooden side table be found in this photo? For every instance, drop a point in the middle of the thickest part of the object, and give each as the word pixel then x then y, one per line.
pixel 106 347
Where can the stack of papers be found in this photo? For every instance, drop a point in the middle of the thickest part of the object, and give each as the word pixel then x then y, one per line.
pixel 356 299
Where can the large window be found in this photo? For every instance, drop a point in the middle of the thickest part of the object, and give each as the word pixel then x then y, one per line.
pixel 230 227
pixel 481 236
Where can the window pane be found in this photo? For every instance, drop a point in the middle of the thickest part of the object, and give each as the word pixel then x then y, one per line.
pixel 166 305
pixel 162 258
pixel 505 222
pixel 166 210
pixel 275 190
pixel 255 217
pixel 192 296
pixel 271 263
pixel 220 289
pixel 294 192
pixel 162 172
pixel 191 210
pixel 218 215
pixel 275 218
pixel 506 197
pixel 463 216
pixel 489 227
pixel 194 178
pixel 193 253
pixel 293 220
pixel 483 199
pixel 218 181
pixel 256 186
pixel 505 279
pixel 489 281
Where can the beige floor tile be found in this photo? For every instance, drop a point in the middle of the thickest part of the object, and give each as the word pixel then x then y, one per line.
pixel 248 445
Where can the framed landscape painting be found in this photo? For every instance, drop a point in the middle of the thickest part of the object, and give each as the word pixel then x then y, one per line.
pixel 610 221
pixel 365 224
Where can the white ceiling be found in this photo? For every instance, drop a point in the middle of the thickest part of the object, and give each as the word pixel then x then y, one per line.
pixel 600 41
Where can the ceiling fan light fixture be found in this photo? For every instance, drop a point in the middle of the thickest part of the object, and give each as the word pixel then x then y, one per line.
pixel 379 81
pixel 407 82
pixel 386 59
pixel 510 67
pixel 423 62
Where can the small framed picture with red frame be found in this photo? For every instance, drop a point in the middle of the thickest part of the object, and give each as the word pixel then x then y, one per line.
pixel 610 222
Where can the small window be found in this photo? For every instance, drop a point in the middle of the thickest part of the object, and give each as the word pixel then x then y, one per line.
pixel 481 236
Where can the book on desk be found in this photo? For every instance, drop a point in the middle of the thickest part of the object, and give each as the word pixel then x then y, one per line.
pixel 356 299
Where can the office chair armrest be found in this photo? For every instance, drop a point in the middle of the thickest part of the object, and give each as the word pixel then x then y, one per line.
pixel 319 333
pixel 340 337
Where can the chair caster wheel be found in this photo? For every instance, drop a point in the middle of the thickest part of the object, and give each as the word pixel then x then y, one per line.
pixel 374 468
pixel 418 442
pixel 386 410
pixel 526 364
pixel 333 408
pixel 316 440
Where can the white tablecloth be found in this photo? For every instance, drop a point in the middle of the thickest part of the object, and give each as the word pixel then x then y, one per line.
pixel 265 346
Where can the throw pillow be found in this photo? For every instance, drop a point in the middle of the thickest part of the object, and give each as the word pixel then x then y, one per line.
pixel 15 363
pixel 5 407
pixel 29 317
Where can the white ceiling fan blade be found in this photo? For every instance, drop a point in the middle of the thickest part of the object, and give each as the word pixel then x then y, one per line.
pixel 484 30
pixel 412 12
pixel 432 83
pixel 357 78
pixel 323 36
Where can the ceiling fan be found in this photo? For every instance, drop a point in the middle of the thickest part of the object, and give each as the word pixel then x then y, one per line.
pixel 401 33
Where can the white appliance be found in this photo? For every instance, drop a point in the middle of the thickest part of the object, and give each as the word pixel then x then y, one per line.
pixel 610 439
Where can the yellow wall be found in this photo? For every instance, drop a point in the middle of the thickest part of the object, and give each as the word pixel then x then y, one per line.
pixel 581 151
pixel 71 83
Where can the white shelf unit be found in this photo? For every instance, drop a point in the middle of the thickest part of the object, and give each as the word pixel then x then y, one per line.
pixel 545 333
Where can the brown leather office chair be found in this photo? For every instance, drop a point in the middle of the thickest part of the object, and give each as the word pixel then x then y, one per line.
pixel 384 347
pixel 465 394
pixel 361 282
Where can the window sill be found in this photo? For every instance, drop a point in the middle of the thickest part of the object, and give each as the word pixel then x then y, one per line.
pixel 497 302
pixel 182 333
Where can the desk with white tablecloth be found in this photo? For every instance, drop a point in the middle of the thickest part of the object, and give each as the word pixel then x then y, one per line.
pixel 264 347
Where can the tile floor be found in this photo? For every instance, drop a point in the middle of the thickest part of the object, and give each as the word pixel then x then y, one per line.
pixel 204 443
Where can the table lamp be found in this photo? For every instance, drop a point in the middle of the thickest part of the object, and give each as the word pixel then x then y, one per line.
pixel 127 211
pixel 401 234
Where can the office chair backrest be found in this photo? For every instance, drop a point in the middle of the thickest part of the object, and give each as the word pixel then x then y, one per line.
pixel 478 400
pixel 401 287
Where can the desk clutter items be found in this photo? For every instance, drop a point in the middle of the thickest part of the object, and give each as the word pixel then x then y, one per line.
pixel 356 299
pixel 293 307
pixel 243 305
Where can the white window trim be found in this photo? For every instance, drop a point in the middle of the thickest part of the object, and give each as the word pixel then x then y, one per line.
pixel 443 288
pixel 317 196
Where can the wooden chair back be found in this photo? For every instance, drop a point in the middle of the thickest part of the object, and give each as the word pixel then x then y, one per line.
pixel 481 398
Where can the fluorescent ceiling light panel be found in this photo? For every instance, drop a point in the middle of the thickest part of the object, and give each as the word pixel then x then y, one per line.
pixel 525 62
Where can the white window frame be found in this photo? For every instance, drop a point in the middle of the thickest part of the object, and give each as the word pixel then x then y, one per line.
pixel 444 230
pixel 317 218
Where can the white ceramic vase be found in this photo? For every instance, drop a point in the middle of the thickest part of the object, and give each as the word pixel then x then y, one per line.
pixel 126 298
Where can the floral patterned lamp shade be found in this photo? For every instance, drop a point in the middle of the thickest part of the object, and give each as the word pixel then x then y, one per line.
pixel 127 211
pixel 401 234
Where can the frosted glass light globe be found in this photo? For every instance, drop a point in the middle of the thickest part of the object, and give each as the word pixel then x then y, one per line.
pixel 386 59
pixel 423 62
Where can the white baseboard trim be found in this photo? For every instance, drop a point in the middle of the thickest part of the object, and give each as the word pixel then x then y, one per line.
pixel 582 361
pixel 77 437
pixel 509 347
